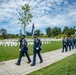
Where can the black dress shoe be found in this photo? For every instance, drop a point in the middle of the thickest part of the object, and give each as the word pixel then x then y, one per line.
pixel 66 51
pixel 17 63
pixel 32 64
pixel 62 51
pixel 41 61
pixel 29 62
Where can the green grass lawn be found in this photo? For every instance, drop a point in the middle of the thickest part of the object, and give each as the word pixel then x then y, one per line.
pixel 7 53
pixel 66 66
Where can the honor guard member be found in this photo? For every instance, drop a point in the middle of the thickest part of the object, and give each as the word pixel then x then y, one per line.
pixel 75 42
pixel 69 42
pixel 64 44
pixel 72 42
pixel 23 50
pixel 21 44
pixel 36 50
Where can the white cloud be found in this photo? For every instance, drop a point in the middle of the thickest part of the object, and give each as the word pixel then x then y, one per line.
pixel 45 13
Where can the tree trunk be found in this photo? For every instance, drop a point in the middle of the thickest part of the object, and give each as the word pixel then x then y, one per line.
pixel 24 32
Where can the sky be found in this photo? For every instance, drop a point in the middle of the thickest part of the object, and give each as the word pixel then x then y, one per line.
pixel 46 13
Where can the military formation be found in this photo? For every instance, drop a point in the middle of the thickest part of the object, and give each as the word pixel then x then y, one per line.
pixel 24 50
pixel 68 43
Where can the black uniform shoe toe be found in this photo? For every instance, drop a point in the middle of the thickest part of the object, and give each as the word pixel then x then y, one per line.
pixel 41 61
pixel 17 63
pixel 32 64
pixel 29 62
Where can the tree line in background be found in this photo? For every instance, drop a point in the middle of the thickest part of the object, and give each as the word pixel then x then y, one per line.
pixel 57 30
pixel 50 32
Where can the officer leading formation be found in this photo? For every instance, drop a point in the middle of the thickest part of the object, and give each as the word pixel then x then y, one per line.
pixel 68 43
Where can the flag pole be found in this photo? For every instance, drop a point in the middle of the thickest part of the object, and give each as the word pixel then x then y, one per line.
pixel 32 30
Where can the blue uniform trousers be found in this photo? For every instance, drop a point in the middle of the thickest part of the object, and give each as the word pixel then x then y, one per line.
pixel 21 54
pixel 69 46
pixel 75 45
pixel 72 46
pixel 64 47
pixel 34 56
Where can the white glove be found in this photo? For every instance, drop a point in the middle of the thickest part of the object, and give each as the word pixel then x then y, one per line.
pixel 19 49
pixel 37 48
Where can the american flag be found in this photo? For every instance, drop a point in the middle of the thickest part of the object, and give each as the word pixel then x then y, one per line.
pixel 33 29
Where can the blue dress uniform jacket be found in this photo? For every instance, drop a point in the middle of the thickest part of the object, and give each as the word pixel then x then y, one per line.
pixel 64 44
pixel 23 49
pixel 37 44
pixel 37 48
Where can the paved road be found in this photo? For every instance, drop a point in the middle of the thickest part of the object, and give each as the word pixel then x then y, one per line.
pixel 9 67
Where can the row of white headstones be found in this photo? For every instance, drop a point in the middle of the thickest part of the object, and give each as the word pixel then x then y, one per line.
pixel 15 42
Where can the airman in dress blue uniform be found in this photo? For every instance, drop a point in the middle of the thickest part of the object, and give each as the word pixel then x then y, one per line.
pixel 72 43
pixel 23 49
pixel 69 43
pixel 36 50
pixel 75 42
pixel 64 44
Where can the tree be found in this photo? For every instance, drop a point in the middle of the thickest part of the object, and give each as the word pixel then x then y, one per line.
pixel 56 31
pixel 69 31
pixel 42 33
pixel 3 33
pixel 20 33
pixel 25 16
pixel 28 33
pixel 66 30
pixel 72 30
pixel 38 32
pixel 48 31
